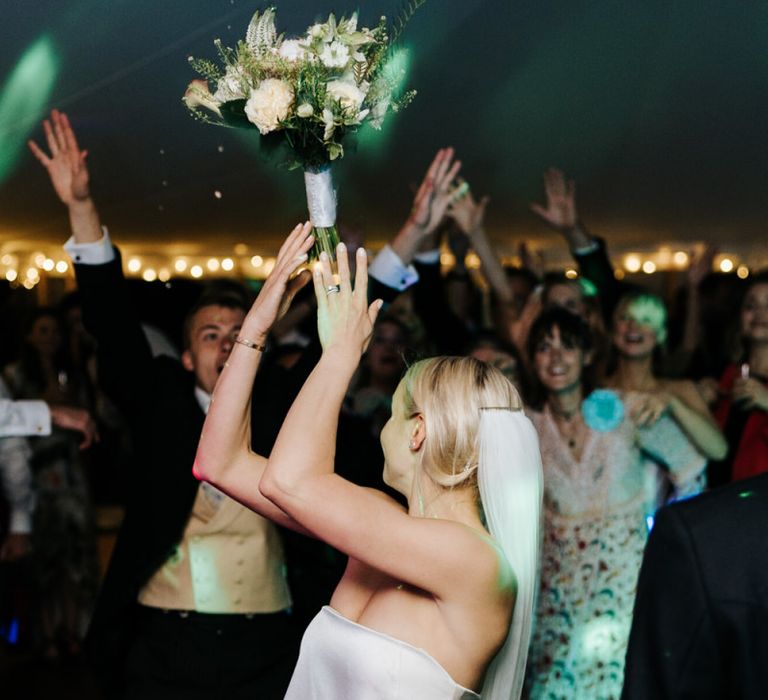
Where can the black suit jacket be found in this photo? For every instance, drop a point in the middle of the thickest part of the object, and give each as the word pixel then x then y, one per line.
pixel 157 396
pixel 700 627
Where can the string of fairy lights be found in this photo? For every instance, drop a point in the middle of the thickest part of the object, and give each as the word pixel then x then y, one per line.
pixel 28 268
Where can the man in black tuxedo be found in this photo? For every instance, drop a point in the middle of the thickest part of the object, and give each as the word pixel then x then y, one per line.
pixel 700 627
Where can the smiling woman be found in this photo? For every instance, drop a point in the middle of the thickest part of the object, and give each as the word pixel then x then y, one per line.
pixel 599 479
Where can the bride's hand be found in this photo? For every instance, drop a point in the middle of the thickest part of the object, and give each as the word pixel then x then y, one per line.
pixel 344 317
pixel 279 289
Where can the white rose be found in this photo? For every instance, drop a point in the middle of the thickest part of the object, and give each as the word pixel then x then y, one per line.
pixel 349 94
pixel 230 87
pixel 269 104
pixel 198 95
pixel 335 55
pixel 292 50
pixel 305 110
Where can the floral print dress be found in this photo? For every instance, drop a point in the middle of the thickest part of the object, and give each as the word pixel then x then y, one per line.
pixel 597 514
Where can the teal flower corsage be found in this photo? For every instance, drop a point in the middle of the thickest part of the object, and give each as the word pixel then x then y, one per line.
pixel 603 410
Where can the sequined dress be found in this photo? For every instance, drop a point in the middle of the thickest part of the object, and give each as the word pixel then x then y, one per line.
pixel 596 525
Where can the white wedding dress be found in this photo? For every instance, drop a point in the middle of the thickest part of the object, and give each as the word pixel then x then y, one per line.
pixel 343 660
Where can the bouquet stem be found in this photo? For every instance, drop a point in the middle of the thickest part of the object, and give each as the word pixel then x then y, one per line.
pixel 326 239
pixel 321 201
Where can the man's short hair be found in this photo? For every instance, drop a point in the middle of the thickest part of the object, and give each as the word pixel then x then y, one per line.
pixel 229 298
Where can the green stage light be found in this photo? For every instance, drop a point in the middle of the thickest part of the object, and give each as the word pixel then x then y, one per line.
pixel 397 70
pixel 23 98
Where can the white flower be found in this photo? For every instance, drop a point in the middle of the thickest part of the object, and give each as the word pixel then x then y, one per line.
pixel 316 31
pixel 330 125
pixel 349 94
pixel 335 55
pixel 349 26
pixel 292 50
pixel 198 95
pixel 269 104
pixel 230 87
pixel 305 110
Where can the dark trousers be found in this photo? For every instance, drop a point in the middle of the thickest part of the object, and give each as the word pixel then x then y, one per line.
pixel 210 657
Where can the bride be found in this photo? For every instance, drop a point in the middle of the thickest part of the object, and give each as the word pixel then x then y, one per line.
pixel 437 597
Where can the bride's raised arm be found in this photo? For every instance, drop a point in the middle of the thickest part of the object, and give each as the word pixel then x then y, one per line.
pixel 425 552
pixel 224 456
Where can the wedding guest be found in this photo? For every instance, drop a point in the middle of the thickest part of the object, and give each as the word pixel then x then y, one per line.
pixel 191 568
pixel 700 627
pixel 600 469
pixel 63 534
pixel 742 410
pixel 560 214
pixel 639 329
pixel 427 599
pixel 382 367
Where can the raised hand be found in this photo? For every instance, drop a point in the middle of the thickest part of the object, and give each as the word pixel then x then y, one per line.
pixel 560 210
pixel 436 192
pixel 278 291
pixel 468 214
pixel 66 163
pixel 344 317
pixel 531 260
pixel 701 265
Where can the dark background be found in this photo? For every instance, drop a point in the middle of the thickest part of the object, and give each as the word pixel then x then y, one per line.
pixel 659 109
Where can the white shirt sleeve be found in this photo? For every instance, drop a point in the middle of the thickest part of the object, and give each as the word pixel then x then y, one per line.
pixel 388 269
pixel 22 418
pixel 96 253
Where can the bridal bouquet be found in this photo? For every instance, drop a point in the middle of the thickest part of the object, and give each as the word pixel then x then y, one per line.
pixel 307 93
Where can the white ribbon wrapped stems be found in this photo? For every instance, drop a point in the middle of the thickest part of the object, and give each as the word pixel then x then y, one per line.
pixel 321 197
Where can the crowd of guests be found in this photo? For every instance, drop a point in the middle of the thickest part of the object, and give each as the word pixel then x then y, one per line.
pixel 638 401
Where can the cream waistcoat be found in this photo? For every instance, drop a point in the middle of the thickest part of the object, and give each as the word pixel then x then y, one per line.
pixel 230 560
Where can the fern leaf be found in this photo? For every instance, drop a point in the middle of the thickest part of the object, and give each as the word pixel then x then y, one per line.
pixel 403 17
pixel 262 34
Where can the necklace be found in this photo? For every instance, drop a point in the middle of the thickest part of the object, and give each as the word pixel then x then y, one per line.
pixel 569 429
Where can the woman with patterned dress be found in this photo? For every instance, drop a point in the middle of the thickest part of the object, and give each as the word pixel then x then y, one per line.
pixel 600 475
pixel 63 534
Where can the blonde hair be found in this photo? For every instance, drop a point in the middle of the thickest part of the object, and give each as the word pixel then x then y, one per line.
pixel 478 436
pixel 450 393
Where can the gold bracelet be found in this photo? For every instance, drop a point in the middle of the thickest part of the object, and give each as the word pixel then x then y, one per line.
pixel 250 344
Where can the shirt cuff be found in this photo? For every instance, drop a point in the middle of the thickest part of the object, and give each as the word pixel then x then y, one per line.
pixel 388 269
pixel 97 253
pixel 428 257
pixel 20 522
pixel 26 419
